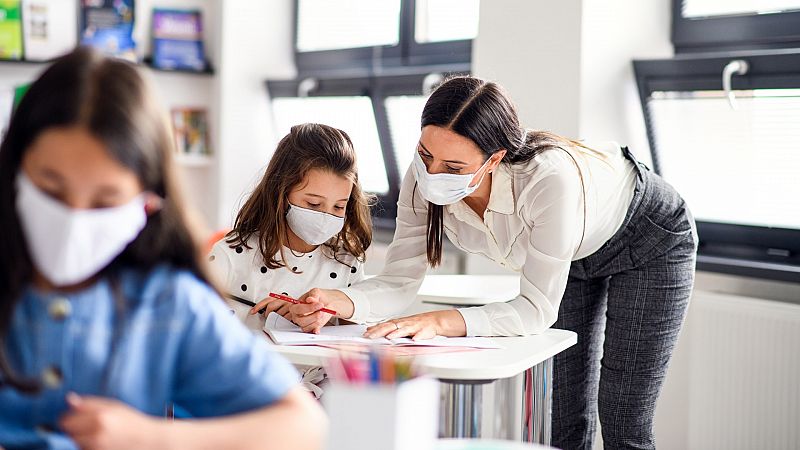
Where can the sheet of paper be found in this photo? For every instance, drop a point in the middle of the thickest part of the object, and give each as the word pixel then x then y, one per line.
pixel 284 332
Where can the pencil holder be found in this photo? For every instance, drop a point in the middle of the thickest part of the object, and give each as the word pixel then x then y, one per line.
pixel 402 416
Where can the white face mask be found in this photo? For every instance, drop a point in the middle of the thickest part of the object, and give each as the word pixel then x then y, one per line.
pixel 313 227
pixel 70 245
pixel 443 188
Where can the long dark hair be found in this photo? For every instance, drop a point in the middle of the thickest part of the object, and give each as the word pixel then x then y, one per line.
pixel 307 146
pixel 483 112
pixel 112 100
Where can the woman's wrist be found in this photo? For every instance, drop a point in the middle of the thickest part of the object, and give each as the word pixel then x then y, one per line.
pixel 450 323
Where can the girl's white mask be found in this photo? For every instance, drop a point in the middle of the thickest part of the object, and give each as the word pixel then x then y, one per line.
pixel 70 245
pixel 313 227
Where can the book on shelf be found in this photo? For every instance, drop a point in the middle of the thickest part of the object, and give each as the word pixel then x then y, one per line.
pixel 10 29
pixel 50 28
pixel 107 25
pixel 178 40
pixel 190 128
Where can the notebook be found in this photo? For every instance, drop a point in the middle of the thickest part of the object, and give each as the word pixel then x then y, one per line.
pixel 284 332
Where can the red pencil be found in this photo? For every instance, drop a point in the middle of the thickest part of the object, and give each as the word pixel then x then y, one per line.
pixel 295 301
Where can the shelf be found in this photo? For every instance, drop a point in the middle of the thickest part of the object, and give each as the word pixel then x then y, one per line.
pixel 208 71
pixel 148 62
pixel 187 160
pixel 24 62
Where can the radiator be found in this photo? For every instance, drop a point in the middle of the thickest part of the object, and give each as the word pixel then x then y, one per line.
pixel 744 373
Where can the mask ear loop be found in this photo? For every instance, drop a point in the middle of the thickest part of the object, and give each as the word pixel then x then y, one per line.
pixel 484 173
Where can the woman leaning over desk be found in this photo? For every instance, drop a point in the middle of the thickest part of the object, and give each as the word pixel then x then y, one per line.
pixel 604 248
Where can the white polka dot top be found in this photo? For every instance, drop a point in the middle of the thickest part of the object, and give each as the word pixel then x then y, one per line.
pixel 244 274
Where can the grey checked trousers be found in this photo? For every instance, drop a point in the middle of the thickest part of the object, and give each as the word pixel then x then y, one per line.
pixel 626 302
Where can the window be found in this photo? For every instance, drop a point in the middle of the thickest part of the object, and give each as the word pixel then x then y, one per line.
pixel 695 9
pixel 744 161
pixel 703 25
pixel 352 114
pixel 363 66
pixel 445 20
pixel 722 119
pixel 331 25
pixel 404 113
pixel 347 35
pixel 736 160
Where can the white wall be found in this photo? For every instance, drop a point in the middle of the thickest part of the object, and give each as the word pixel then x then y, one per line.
pixel 15 74
pixel 180 90
pixel 614 33
pixel 533 49
pixel 256 45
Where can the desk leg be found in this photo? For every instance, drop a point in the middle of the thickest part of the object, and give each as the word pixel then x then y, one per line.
pixel 517 408
pixel 538 401
pixel 461 415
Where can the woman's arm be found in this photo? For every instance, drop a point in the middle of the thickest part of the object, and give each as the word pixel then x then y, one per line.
pixel 296 421
pixel 553 207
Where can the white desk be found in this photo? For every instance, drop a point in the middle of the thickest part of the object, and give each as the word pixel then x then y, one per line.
pixel 500 394
pixel 468 290
pixel 516 378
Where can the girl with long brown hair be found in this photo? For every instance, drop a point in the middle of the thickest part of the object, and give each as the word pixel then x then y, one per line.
pixel 107 316
pixel 306 224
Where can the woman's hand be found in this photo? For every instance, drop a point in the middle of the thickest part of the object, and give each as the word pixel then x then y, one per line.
pixel 307 313
pixel 421 326
pixel 100 423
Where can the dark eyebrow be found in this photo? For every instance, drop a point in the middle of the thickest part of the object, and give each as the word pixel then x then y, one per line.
pixel 110 191
pixel 452 161
pixel 53 175
pixel 423 146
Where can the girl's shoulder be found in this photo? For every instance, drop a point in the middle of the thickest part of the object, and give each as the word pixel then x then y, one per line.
pixel 166 286
pixel 223 246
pixel 235 256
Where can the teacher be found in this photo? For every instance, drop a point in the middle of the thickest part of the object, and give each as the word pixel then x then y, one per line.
pixel 604 248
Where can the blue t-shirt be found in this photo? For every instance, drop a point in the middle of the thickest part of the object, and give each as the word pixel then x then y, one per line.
pixel 173 342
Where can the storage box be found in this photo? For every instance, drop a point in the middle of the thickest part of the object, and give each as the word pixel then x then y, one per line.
pixel 402 416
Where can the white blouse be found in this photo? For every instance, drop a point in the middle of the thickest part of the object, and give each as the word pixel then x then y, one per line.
pixel 533 224
pixel 242 273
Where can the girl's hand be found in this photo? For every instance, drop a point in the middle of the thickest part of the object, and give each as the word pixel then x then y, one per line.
pixel 421 326
pixel 103 423
pixel 270 304
pixel 307 314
